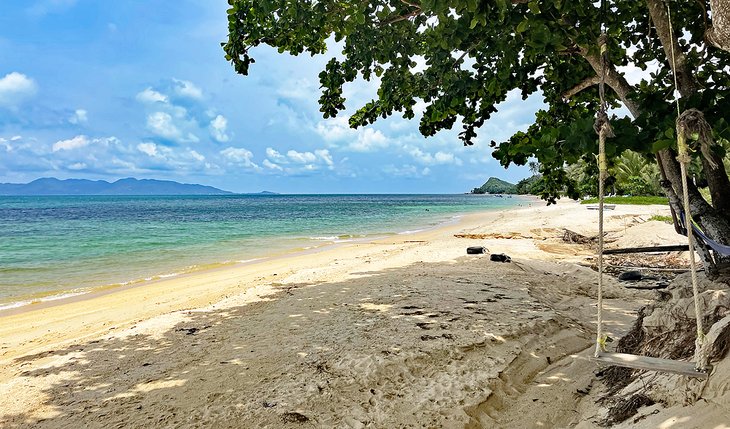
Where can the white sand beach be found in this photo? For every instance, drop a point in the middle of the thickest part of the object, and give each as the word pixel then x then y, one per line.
pixel 401 332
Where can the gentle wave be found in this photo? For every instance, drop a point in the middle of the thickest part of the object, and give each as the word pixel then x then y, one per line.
pixel 56 297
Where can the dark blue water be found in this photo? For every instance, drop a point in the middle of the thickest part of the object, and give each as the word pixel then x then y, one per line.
pixel 52 245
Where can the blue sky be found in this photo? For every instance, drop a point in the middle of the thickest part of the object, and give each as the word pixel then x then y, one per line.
pixel 106 90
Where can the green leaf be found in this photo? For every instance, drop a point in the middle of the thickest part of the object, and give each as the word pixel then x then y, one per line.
pixel 522 26
pixel 661 145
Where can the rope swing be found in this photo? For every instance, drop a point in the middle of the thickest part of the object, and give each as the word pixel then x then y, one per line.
pixel 603 128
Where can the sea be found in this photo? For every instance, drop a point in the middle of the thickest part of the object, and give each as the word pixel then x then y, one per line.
pixel 53 247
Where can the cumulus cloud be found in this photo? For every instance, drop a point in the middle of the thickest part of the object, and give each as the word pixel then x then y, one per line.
pixel 76 166
pixel 196 156
pixel 325 156
pixel 295 162
pixel 408 171
pixel 149 149
pixel 239 155
pixel 275 155
pixel 80 116
pixel 160 123
pixel 270 165
pixel 149 95
pixel 15 88
pixel 335 129
pixel 70 144
pixel 369 140
pixel 301 157
pixel 218 127
pixel 187 89
pixel 434 159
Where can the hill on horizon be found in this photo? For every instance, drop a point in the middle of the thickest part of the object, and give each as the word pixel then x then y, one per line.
pixel 128 186
pixel 495 186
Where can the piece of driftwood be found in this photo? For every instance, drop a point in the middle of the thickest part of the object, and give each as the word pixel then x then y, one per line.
pixel 574 237
pixel 669 248
pixel 605 207
pixel 667 270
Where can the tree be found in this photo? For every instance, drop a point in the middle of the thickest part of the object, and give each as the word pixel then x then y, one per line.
pixel 476 52
pixel 635 176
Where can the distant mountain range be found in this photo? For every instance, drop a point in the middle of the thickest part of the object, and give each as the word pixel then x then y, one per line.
pixel 129 186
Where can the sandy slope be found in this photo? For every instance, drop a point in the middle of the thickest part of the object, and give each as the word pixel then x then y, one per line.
pixel 406 331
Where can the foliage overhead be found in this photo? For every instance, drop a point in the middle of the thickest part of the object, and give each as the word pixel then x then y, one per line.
pixel 476 52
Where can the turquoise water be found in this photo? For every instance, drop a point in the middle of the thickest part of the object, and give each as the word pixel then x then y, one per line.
pixel 55 246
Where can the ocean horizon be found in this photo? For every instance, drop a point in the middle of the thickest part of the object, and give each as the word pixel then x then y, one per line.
pixel 59 246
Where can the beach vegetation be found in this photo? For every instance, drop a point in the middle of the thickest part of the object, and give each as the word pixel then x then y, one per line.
pixel 633 200
pixel 462 58
pixel 661 218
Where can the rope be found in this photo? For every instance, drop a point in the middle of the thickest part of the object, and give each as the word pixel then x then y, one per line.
pixel 602 126
pixel 684 159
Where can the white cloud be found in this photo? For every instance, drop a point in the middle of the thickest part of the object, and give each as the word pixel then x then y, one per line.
pixel 70 144
pixel 187 89
pixel 80 116
pixel 270 165
pixel 4 143
pixel 407 170
pixel 295 162
pixel 77 166
pixel 276 156
pixel 324 154
pixel 16 88
pixel 434 159
pixel 149 95
pixel 239 155
pixel 218 128
pixel 369 140
pixel 196 156
pixel 162 125
pixel 148 148
pixel 301 157
pixel 298 89
pixel 335 129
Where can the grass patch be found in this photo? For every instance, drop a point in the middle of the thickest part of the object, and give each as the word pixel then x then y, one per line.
pixel 641 201
pixel 660 218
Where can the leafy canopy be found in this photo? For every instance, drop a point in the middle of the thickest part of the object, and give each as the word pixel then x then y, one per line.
pixel 477 51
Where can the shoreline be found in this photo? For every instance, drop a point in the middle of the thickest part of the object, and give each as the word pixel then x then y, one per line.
pixel 44 299
pixel 209 286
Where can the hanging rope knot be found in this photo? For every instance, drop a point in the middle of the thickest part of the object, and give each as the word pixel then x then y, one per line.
pixel 602 42
pixel 692 123
pixel 602 122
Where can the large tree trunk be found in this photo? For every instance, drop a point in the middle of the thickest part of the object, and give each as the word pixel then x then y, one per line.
pixel 715 221
pixel 718 34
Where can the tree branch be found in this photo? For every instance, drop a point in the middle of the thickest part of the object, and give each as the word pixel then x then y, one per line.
pixel 675 56
pixel 586 83
pixel 615 80
pixel 411 4
pixel 399 18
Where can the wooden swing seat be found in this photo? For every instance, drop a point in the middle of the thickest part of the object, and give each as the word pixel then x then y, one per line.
pixel 652 364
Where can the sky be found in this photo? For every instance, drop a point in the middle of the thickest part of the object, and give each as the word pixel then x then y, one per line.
pixel 133 88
